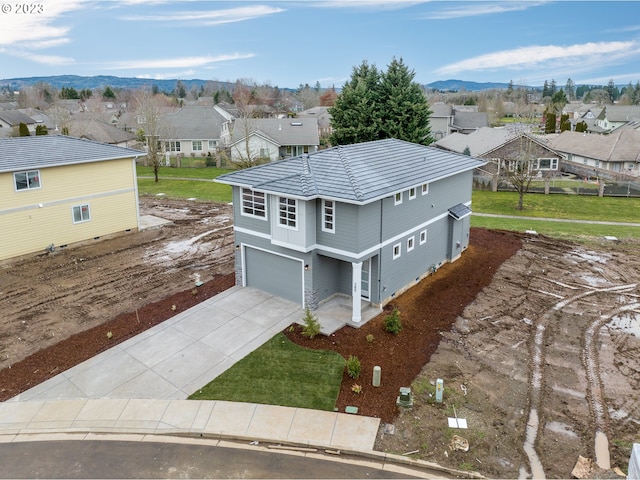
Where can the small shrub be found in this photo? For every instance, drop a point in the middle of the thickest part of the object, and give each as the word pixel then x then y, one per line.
pixel 370 338
pixel 311 324
pixel 353 366
pixel 392 322
pixel 355 388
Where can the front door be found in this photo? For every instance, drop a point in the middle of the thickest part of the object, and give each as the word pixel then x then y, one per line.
pixel 365 279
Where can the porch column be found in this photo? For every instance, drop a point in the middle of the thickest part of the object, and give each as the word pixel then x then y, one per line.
pixel 357 292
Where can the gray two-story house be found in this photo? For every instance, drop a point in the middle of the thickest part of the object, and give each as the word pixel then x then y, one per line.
pixel 367 221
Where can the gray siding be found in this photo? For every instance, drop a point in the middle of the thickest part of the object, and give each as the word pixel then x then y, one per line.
pixel 243 221
pixel 442 195
pixel 357 228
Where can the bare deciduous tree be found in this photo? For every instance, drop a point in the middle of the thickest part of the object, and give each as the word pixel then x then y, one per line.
pixel 148 109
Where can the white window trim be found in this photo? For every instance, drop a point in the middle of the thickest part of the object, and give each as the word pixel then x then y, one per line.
pixel 242 204
pixel 423 237
pixel 425 188
pixel 27 172
pixel 398 247
pixel 82 220
pixel 333 216
pixel 287 219
pixel 396 200
pixel 412 196
pixel 411 243
pixel 195 144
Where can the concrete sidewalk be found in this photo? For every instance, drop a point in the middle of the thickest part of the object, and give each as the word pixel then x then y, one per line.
pixel 216 419
pixel 141 385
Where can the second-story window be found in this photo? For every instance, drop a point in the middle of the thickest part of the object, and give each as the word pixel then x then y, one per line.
pixel 287 212
pixel 328 216
pixel 27 180
pixel 253 203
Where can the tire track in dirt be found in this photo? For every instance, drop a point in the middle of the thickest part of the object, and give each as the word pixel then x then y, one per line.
pixel 537 379
pixel 595 393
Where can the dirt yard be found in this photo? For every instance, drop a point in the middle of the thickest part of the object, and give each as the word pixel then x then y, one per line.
pixel 537 341
pixel 47 298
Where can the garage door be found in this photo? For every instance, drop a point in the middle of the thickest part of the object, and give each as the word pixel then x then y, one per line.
pixel 274 274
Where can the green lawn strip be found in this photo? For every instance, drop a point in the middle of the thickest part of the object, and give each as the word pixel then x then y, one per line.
pixel 207 173
pixel 209 191
pixel 280 373
pixel 564 230
pixel 576 207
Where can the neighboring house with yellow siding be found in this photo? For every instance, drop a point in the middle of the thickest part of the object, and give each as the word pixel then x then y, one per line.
pixel 57 190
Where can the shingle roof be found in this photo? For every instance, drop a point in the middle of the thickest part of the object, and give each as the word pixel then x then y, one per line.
pixel 479 142
pixel 84 126
pixel 14 117
pixel 20 153
pixel 616 147
pixel 193 122
pixel 283 131
pixel 359 173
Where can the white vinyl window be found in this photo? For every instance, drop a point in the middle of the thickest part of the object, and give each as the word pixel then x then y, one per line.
pixel 411 243
pixel 397 250
pixel 425 188
pixel 423 237
pixel 287 212
pixel 196 145
pixel 81 213
pixel 172 146
pixel 253 203
pixel 397 198
pixel 27 180
pixel 412 193
pixel 213 144
pixel 328 216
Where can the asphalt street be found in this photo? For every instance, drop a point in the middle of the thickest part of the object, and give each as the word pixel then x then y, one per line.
pixel 126 459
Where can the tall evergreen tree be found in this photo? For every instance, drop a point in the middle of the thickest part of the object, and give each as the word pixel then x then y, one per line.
pixel 374 105
pixel 355 116
pixel 405 112
pixel 23 130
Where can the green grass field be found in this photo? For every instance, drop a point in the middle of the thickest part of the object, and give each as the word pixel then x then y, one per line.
pixel 172 183
pixel 573 207
pixel 280 373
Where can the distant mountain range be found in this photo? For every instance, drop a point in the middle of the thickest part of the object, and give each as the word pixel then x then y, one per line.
pixel 102 81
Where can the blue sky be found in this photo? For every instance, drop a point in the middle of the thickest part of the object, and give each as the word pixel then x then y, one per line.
pixel 288 43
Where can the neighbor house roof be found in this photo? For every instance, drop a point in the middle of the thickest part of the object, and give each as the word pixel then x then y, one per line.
pixel 620 113
pixel 360 173
pixel 478 142
pixel 21 153
pixel 616 147
pixel 282 131
pixel 193 122
pixel 14 117
pixel 84 126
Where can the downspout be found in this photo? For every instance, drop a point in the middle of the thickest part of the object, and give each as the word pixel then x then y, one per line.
pixel 380 286
pixel 135 189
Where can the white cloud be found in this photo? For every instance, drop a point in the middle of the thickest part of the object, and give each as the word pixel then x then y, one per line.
pixel 481 8
pixel 37 27
pixel 580 56
pixel 210 17
pixel 181 62
pixel 379 4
